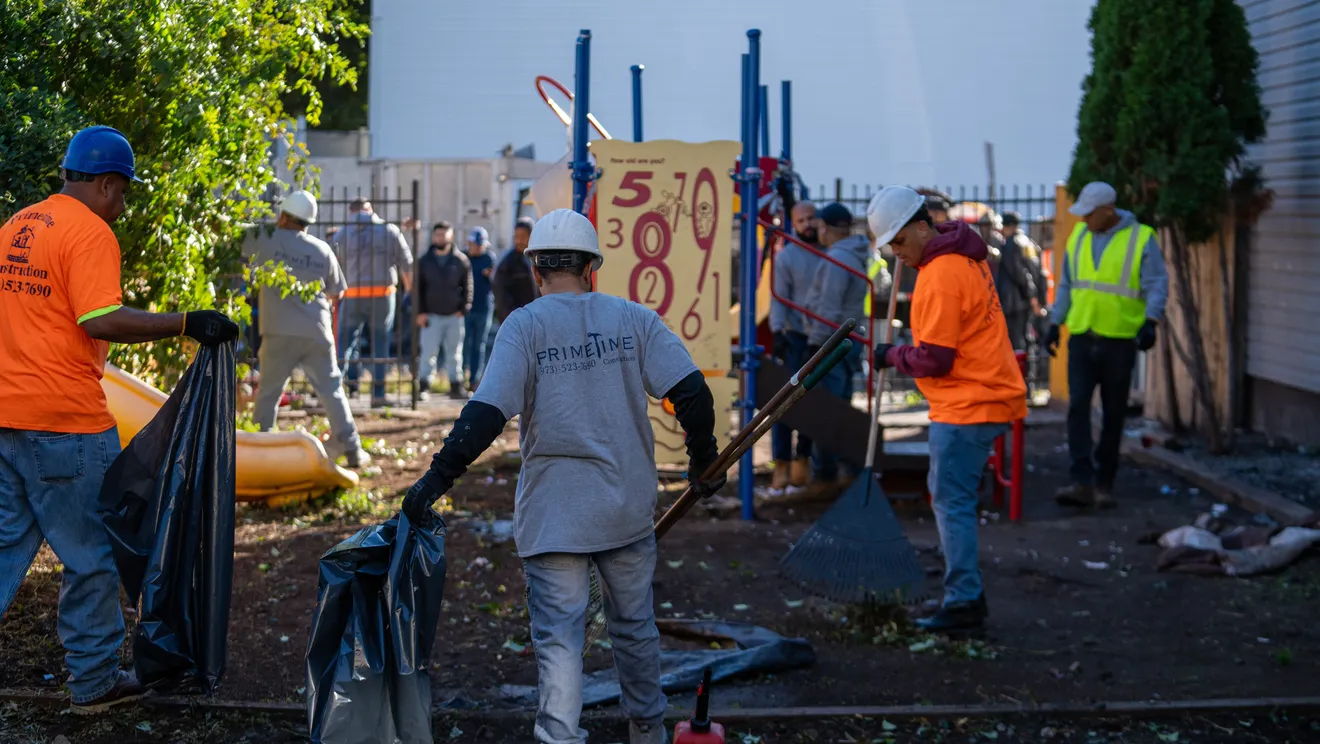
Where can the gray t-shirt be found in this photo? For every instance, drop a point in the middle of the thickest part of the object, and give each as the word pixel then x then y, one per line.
pixel 308 259
pixel 578 369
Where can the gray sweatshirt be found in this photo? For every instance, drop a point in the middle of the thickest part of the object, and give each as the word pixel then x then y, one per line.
pixel 1154 277
pixel 837 295
pixel 794 270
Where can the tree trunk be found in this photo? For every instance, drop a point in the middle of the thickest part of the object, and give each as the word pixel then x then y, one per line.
pixel 1225 289
pixel 1198 367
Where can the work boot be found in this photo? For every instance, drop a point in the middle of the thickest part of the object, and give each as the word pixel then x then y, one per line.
pixel 458 393
pixel 956 618
pixel 1077 494
pixel 126 690
pixel 357 458
pixel 1104 497
pixel 647 733
pixel 799 473
pixel 779 480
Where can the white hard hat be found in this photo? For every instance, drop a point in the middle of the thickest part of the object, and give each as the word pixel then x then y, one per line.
pixel 890 210
pixel 565 230
pixel 300 205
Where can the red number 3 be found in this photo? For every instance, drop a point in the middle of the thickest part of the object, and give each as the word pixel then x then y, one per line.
pixel 651 262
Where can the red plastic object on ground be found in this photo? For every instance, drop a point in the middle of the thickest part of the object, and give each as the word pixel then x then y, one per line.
pixel 700 729
pixel 1016 469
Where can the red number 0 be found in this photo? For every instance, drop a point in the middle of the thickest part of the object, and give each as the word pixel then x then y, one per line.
pixel 635 181
pixel 652 259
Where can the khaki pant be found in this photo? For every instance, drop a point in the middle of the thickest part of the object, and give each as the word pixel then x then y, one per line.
pixel 278 356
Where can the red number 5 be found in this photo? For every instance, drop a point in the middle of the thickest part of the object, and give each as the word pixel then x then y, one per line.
pixel 635 181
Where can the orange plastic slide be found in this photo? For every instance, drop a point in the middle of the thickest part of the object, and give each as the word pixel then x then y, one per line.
pixel 275 467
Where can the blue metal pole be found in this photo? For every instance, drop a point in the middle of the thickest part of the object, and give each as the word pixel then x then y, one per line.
pixel 764 114
pixel 786 103
pixel 751 179
pixel 637 101
pixel 583 172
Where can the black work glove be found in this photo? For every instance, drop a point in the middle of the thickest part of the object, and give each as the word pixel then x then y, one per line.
pixel 1052 339
pixel 779 349
pixel 881 360
pixel 698 465
pixel 417 503
pixel 209 327
pixel 1146 336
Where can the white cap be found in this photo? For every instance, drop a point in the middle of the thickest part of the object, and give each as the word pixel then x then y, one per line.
pixel 890 210
pixel 566 230
pixel 1094 195
pixel 300 205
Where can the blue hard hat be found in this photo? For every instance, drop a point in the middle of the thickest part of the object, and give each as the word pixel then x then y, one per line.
pixel 100 149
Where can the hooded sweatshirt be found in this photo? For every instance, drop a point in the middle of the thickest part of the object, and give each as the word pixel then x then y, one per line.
pixel 961 357
pixel 837 295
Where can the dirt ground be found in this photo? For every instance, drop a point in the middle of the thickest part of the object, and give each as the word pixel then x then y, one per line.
pixel 149 724
pixel 1078 612
pixel 1292 472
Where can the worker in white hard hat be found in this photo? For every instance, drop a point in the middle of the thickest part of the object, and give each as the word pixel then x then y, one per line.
pixel 964 365
pixel 578 366
pixel 296 328
pixel 1111 296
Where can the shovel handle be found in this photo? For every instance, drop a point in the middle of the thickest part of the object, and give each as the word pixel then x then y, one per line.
pixel 787 396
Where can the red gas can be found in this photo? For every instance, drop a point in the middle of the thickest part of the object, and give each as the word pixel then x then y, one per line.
pixel 700 729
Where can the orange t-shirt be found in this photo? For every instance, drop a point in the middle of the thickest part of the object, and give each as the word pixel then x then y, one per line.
pixel 955 305
pixel 59 265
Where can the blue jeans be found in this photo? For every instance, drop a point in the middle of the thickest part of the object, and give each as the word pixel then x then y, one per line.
pixel 474 341
pixel 368 320
pixel 958 454
pixel 839 381
pixel 441 338
pixel 557 602
pixel 49 485
pixel 781 435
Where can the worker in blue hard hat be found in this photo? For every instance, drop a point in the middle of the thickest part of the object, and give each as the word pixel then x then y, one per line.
pixel 61 307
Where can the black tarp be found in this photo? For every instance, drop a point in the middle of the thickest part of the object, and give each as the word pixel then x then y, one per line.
pixel 168 505
pixel 377 604
pixel 756 651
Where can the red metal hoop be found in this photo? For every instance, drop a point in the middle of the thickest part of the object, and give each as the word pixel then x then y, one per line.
pixel 559 111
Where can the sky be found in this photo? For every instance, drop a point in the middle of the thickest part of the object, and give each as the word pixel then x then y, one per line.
pixel 884 91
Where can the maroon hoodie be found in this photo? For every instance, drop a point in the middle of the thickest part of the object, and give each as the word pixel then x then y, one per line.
pixel 929 360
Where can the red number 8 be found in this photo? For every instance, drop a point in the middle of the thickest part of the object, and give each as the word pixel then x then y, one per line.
pixel 654 260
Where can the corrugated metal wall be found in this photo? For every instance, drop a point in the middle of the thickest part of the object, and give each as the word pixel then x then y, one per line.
pixel 1283 337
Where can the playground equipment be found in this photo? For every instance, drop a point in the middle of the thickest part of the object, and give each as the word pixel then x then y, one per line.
pixel 831 421
pixel 277 467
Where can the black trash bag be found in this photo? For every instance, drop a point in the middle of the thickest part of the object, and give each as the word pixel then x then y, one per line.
pixel 377 605
pixel 168 504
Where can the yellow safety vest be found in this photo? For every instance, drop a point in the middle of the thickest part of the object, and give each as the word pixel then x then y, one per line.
pixel 877 265
pixel 1106 300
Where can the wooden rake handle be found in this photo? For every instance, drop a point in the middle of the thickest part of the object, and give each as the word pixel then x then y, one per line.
pixel 831 353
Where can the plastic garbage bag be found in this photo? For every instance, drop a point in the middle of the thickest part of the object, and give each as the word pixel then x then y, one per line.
pixel 377 604
pixel 168 505
pixel 756 651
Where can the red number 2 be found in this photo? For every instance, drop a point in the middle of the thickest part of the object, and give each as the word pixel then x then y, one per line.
pixel 635 181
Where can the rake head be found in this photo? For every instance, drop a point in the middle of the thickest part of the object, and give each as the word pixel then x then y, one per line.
pixel 857 552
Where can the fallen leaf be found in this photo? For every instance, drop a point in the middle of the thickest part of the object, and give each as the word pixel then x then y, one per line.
pixel 674 564
pixel 514 646
pixel 920 646
pixel 740 608
pixel 666 605
pixel 454 732
pixel 794 603
pixel 887 726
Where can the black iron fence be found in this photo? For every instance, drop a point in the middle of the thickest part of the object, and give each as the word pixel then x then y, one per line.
pixel 984 208
pixel 375 328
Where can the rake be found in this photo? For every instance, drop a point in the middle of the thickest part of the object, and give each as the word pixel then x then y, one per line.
pixel 831 353
pixel 857 552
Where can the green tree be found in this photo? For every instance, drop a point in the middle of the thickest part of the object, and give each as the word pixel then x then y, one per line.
pixel 198 88
pixel 1167 111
